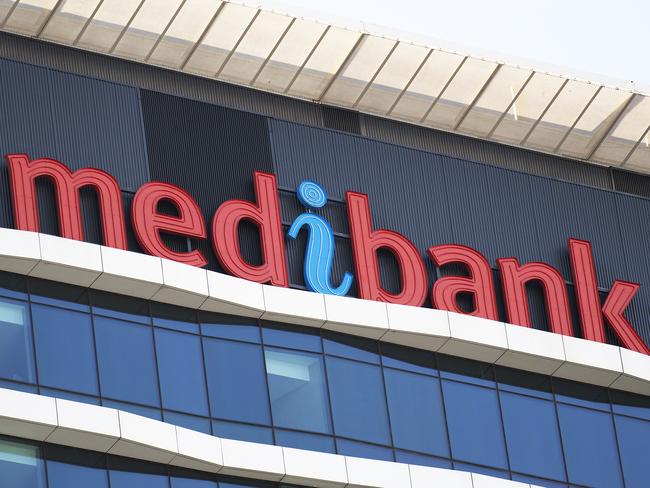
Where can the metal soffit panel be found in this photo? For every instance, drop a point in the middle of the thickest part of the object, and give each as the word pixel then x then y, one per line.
pixel 354 69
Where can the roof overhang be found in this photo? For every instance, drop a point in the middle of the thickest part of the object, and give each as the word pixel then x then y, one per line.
pixel 355 69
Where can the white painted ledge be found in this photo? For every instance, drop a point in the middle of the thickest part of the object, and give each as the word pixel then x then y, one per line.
pixel 484 340
pixel 64 422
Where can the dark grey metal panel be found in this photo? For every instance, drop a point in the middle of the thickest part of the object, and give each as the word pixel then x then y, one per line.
pixel 79 121
pixel 485 152
pixel 209 151
pixel 491 210
pixel 634 216
pixel 564 210
pixel 341 119
pixel 158 79
pixel 632 183
pixel 99 124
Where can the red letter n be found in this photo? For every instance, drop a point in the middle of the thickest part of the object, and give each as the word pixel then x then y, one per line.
pixel 23 173
pixel 514 278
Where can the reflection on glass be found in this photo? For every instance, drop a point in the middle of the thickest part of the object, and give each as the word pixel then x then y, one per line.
pixel 426 85
pixel 290 54
pixel 255 47
pixel 595 123
pixel 393 78
pixel 69 19
pixel 297 389
pixel 462 90
pixel 146 27
pixel 29 16
pixel 20 465
pixel 107 24
pixel 359 69
pixel 323 63
pixel 588 439
pixel 561 115
pixel 16 353
pixel 495 99
pixel 629 129
pixel 221 38
pixel 528 108
pixel 474 421
pixel 183 33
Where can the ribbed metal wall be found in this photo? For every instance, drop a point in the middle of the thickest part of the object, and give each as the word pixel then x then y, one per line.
pixel 485 152
pixel 209 151
pixel 158 79
pixel 77 120
pixel 435 199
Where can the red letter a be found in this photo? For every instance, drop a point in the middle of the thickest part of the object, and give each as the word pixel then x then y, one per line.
pixel 480 282
pixel 266 215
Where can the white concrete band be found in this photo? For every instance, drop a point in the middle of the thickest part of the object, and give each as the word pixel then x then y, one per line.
pixel 149 277
pixel 68 423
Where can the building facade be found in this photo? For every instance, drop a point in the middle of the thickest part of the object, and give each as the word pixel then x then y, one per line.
pixel 256 289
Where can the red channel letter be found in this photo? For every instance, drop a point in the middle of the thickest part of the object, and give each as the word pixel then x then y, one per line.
pixel 589 309
pixel 148 223
pixel 266 215
pixel 480 282
pixel 514 278
pixel 23 172
pixel 365 244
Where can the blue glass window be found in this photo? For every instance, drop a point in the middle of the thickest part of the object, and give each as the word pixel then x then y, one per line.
pixel 127 368
pixel 65 351
pixel 532 436
pixel 361 449
pixel 225 327
pixel 358 401
pixel 416 412
pixel 421 459
pixel 71 468
pixel 178 482
pixel 129 473
pixel 297 389
pixel 589 447
pixel 192 422
pixel 295 338
pixel 301 440
pixel 21 465
pixel 180 366
pixel 16 352
pixel 242 432
pixel 236 381
pixel 634 446
pixel 474 421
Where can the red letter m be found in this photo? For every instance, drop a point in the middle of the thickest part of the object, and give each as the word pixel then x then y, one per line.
pixel 23 172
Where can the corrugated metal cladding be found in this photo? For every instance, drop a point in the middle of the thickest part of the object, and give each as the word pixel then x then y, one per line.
pixel 157 79
pixel 434 199
pixel 485 152
pixel 631 183
pixel 77 120
pixel 209 151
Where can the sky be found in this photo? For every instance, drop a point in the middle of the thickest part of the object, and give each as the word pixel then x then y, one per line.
pixel 599 37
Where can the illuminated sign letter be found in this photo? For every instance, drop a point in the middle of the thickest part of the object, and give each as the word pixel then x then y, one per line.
pixel 266 216
pixel 514 278
pixel 320 245
pixel 365 244
pixel 619 297
pixel 480 282
pixel 23 172
pixel 148 223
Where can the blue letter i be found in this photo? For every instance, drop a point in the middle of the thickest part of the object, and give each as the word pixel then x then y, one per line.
pixel 320 244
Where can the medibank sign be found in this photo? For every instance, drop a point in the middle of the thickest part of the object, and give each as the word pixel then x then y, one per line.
pixel 149 225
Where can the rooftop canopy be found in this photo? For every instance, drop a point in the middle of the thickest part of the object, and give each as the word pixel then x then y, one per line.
pixel 354 69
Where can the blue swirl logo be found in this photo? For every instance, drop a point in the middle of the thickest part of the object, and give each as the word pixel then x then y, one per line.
pixel 320 244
